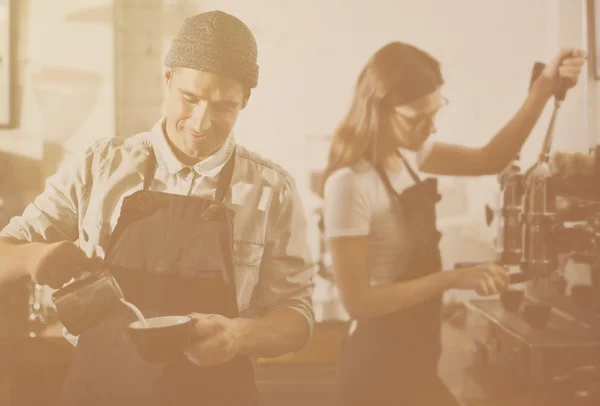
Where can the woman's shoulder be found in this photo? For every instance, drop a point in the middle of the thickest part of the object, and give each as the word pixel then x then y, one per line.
pixel 358 177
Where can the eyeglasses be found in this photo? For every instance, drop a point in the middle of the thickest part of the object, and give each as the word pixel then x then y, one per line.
pixel 417 120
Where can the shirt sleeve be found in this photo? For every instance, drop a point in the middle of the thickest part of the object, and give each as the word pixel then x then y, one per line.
pixel 54 214
pixel 287 270
pixel 347 208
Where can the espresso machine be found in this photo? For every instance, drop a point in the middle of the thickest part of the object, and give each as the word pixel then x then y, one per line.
pixel 540 339
pixel 511 180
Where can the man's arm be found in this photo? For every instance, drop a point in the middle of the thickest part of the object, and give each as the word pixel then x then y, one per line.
pixel 279 331
pixel 284 292
pixel 13 259
pixel 41 239
pixel 456 160
pixel 283 297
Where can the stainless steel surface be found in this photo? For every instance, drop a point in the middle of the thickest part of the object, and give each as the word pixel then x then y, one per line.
pixel 534 355
pixel 509 240
pixel 539 208
pixel 539 218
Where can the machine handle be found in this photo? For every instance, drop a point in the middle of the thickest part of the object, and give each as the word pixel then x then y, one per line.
pixel 537 70
pixel 520 277
pixel 561 90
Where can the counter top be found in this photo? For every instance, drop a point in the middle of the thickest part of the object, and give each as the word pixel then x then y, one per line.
pixel 323 348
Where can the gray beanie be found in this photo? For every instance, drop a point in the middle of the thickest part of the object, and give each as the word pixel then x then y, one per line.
pixel 218 43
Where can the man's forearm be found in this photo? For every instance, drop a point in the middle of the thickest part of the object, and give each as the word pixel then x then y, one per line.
pixel 507 143
pixel 278 332
pixel 13 259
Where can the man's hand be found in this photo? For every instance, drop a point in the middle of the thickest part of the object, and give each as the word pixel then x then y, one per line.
pixel 566 66
pixel 56 264
pixel 220 339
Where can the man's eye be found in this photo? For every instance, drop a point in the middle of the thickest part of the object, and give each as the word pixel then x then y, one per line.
pixel 222 108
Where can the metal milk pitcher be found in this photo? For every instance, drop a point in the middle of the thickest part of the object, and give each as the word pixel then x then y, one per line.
pixel 83 303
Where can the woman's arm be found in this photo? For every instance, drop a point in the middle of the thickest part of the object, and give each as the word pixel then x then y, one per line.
pixel 455 160
pixel 351 271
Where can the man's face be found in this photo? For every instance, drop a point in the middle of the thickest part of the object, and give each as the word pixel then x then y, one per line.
pixel 202 109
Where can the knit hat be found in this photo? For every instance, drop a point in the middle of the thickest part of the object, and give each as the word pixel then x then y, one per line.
pixel 218 43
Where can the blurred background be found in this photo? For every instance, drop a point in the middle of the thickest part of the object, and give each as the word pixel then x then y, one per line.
pixel 72 71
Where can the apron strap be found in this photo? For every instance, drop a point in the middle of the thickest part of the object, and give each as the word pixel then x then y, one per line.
pixel 225 177
pixel 150 170
pixel 411 171
pixel 223 184
pixel 386 180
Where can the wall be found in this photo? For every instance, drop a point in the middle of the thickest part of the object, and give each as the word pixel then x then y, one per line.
pixel 143 30
pixel 64 69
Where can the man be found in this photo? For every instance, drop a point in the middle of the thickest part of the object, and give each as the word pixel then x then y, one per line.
pixel 150 206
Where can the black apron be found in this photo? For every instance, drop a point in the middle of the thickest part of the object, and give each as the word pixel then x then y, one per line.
pixel 392 359
pixel 171 255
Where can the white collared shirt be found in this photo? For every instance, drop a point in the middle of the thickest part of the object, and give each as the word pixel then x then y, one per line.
pixel 82 201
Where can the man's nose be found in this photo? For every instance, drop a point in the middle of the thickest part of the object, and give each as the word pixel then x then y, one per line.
pixel 200 120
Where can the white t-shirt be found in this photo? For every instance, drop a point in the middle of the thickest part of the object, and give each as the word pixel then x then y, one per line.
pixel 358 204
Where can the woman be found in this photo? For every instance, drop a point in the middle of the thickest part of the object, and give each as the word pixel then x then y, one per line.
pixel 380 221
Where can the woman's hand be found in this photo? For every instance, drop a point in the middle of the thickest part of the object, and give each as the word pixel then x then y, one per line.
pixel 486 280
pixel 566 66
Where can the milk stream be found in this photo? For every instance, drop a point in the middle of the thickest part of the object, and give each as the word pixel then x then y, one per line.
pixel 137 312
